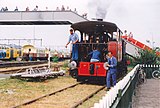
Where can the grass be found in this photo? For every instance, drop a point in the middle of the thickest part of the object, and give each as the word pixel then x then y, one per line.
pixel 95 99
pixel 15 91
pixel 22 91
pixel 129 68
pixel 64 64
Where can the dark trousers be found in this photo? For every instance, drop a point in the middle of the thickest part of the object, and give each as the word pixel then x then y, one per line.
pixel 111 73
pixel 74 52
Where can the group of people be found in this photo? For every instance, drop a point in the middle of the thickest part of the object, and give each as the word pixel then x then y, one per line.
pixel 65 9
pixel 46 9
pixel 35 9
pixel 95 57
pixel 16 9
pixel 4 9
pixel 130 34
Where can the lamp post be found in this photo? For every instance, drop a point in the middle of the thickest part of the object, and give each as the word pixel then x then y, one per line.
pixel 34 35
pixel 49 56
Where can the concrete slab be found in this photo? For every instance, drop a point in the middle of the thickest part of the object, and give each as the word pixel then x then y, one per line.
pixel 147 95
pixel 5 76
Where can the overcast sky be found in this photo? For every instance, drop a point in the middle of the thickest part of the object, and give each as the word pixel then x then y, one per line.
pixel 141 17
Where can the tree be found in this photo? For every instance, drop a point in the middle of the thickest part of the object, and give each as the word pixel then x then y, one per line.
pixel 147 57
pixel 158 53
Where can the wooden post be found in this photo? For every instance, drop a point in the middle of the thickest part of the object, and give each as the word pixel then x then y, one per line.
pixel 49 62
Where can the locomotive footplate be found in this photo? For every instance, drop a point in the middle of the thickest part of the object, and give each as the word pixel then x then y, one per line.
pixel 91 69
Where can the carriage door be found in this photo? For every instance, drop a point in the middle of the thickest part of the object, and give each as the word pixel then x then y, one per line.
pixel 11 53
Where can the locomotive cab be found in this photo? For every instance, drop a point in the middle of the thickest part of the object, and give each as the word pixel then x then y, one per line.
pixel 107 37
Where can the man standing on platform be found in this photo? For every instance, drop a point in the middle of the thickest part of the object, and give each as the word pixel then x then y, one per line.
pixel 74 39
pixel 112 64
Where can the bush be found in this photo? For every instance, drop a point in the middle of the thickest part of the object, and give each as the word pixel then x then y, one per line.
pixel 55 59
pixel 147 57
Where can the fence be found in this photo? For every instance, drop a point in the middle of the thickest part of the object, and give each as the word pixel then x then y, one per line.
pixel 148 68
pixel 118 97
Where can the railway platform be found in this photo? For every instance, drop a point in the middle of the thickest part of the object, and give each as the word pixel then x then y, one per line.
pixel 147 95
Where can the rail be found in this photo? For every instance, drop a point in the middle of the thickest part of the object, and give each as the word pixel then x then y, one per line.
pixel 22 63
pixel 121 94
pixel 19 69
pixel 49 94
pixel 87 97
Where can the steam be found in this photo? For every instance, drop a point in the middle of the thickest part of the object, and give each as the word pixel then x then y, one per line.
pixel 99 7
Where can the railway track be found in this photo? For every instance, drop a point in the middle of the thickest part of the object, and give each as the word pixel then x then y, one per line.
pixel 22 63
pixel 87 97
pixel 59 98
pixel 18 69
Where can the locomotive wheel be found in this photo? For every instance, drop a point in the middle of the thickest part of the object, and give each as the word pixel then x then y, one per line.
pixel 74 73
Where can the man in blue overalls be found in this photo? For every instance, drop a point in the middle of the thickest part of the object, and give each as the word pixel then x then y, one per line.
pixel 112 64
pixel 74 39
pixel 95 55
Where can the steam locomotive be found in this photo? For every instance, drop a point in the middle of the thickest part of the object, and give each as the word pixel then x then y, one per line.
pixel 107 37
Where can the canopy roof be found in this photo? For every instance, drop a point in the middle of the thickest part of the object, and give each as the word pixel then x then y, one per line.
pixel 35 23
pixel 94 26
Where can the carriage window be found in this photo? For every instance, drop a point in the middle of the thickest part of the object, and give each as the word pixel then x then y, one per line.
pixel 20 53
pixel 7 55
pixel 4 54
pixel 120 39
pixel 115 35
pixel 85 38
